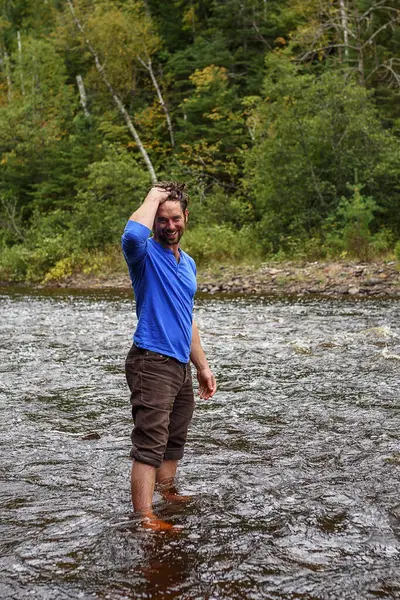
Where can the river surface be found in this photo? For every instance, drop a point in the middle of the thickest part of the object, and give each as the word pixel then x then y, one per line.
pixel 294 465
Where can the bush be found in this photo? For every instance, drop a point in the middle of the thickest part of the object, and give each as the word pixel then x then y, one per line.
pixel 220 243
pixel 99 263
pixel 397 250
pixel 382 242
pixel 348 230
pixel 14 263
pixel 113 189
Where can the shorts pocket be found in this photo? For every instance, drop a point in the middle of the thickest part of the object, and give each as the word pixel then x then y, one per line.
pixel 154 358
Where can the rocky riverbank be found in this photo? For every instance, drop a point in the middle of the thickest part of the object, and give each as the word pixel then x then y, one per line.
pixel 333 279
pixel 300 279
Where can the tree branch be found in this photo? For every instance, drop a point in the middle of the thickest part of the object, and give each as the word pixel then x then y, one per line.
pixel 8 76
pixel 377 32
pixel 343 16
pixel 316 50
pixel 260 35
pixel 378 6
pixel 10 210
pixel 148 65
pixel 388 67
pixel 115 97
pixel 20 62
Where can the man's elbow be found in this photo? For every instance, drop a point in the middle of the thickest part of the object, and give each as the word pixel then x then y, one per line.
pixel 131 239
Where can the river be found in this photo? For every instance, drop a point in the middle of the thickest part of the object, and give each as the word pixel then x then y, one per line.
pixel 294 465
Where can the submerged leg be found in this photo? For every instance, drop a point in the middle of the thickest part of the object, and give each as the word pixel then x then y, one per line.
pixel 143 479
pixel 165 477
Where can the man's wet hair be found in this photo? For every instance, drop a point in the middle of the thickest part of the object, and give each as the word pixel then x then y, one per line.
pixel 176 192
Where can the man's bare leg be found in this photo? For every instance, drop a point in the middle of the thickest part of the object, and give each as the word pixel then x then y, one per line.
pixel 165 477
pixel 143 478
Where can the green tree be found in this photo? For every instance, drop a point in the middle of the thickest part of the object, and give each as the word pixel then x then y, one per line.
pixel 362 35
pixel 312 133
pixel 212 129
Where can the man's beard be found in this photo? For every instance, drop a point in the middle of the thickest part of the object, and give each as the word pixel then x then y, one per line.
pixel 170 241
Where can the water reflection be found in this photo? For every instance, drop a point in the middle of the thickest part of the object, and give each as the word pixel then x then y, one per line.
pixel 294 466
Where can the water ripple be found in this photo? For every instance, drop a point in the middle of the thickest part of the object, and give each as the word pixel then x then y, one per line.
pixel 294 466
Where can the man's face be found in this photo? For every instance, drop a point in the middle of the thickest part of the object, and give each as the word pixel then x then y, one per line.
pixel 169 223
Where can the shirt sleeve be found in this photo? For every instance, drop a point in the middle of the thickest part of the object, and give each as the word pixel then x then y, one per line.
pixel 193 266
pixel 134 242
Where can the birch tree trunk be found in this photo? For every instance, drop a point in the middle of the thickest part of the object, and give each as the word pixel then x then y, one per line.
pixel 8 76
pixel 344 20
pixel 148 65
pixel 360 49
pixel 82 94
pixel 20 62
pixel 117 100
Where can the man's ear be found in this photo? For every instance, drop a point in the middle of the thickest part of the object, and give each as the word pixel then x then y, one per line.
pixel 186 215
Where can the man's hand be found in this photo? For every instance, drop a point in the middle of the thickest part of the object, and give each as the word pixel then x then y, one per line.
pixel 207 383
pixel 147 211
pixel 157 194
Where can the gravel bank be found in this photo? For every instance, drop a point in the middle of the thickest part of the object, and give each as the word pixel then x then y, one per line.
pixel 333 279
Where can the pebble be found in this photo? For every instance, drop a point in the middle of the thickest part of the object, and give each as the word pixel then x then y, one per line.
pixel 353 290
pixel 93 435
pixel 342 289
pixel 372 281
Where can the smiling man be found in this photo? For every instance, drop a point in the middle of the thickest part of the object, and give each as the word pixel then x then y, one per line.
pixel 166 339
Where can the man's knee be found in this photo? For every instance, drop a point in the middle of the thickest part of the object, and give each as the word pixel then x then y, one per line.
pixel 148 457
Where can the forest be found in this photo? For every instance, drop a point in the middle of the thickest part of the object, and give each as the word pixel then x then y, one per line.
pixel 281 116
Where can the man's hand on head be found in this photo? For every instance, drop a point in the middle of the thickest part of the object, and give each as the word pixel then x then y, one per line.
pixel 157 194
pixel 207 383
pixel 163 191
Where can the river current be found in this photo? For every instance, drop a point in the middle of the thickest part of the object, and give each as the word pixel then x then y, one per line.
pixel 294 465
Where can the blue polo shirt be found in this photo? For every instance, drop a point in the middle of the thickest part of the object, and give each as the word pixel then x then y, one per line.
pixel 164 290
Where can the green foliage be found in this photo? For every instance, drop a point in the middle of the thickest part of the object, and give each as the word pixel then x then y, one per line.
pixel 211 130
pixel 14 263
pixel 382 243
pixel 55 241
pixel 219 207
pixel 113 189
pixel 272 119
pixel 312 132
pixel 348 231
pixel 220 243
pixel 397 250
pixel 100 264
pixel 47 243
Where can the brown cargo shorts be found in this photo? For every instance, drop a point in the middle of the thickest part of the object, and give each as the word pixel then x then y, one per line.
pixel 162 402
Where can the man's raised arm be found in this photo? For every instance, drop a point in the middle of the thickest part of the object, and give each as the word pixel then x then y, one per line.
pixel 146 212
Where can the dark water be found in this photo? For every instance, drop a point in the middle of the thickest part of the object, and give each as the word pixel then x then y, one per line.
pixel 295 465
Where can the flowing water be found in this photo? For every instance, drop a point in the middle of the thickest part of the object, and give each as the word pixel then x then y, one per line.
pixel 294 465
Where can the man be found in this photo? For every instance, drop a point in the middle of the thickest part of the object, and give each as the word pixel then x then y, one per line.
pixel 157 366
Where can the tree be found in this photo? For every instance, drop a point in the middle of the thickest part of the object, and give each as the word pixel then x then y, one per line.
pixel 313 135
pixel 361 33
pixel 115 96
pixel 44 142
pixel 212 128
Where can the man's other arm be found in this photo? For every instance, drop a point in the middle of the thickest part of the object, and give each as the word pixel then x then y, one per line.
pixel 205 377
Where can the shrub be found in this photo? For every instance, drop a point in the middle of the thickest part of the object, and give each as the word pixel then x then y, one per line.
pixel 220 243
pixel 14 263
pixel 382 242
pixel 348 230
pixel 397 250
pixel 99 263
